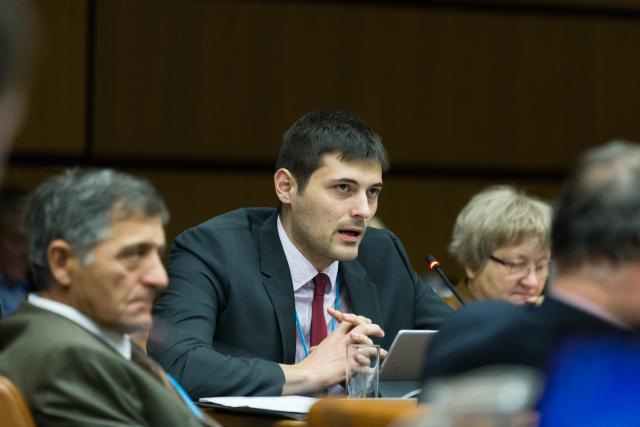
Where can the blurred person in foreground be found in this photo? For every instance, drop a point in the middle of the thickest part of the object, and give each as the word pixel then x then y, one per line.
pixel 95 241
pixel 14 258
pixel 502 240
pixel 595 238
pixel 17 38
pixel 263 301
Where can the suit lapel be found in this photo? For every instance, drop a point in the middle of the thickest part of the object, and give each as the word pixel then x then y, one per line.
pixel 278 284
pixel 362 292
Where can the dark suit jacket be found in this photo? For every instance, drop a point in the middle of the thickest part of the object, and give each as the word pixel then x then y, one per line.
pixel 228 316
pixel 494 332
pixel 70 377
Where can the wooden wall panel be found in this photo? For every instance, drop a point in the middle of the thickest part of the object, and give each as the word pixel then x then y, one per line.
pixel 29 178
pixel 56 116
pixel 579 5
pixel 191 197
pixel 462 89
pixel 195 197
pixel 222 80
pixel 420 211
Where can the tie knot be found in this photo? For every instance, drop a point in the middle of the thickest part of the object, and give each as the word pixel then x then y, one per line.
pixel 320 283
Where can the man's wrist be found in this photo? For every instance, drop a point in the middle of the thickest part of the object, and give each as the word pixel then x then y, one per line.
pixel 298 379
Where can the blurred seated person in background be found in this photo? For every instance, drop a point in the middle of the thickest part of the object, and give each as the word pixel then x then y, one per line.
pixel 595 291
pixel 14 259
pixel 501 239
pixel 95 241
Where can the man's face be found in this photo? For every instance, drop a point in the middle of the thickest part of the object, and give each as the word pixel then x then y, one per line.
pixel 328 219
pixel 123 275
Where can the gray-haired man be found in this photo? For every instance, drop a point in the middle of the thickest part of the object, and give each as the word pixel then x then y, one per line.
pixel 95 240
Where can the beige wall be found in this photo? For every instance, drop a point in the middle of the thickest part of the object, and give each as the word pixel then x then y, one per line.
pixel 195 95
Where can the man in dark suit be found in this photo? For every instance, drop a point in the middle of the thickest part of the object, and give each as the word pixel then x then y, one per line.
pixel 596 288
pixel 252 292
pixel 95 241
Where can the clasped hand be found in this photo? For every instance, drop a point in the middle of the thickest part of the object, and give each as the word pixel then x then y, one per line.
pixel 325 366
pixel 328 359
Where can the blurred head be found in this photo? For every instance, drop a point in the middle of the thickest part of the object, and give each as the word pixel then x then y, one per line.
pixel 95 240
pixel 502 239
pixel 14 259
pixel 596 227
pixel 597 216
pixel 16 47
pixel 329 175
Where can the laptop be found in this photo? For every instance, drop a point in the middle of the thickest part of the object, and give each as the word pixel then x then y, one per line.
pixel 401 371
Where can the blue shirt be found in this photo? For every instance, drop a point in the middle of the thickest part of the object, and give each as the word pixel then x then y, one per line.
pixel 12 295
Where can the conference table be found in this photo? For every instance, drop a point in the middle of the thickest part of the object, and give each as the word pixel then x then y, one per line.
pixel 326 413
pixel 234 419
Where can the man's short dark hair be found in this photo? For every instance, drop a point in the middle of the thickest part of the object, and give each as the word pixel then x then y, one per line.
pixel 597 217
pixel 17 39
pixel 328 131
pixel 79 207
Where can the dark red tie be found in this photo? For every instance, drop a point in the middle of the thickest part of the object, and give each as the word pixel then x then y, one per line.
pixel 318 322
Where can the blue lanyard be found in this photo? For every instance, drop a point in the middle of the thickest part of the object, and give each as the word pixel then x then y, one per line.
pixel 336 305
pixel 183 394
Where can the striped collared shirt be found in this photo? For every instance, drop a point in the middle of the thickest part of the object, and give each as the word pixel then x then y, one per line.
pixel 302 274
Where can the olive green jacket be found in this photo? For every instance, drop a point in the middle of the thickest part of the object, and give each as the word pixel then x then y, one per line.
pixel 70 377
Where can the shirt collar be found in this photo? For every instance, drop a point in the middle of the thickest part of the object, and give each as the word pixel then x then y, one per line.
pixel 119 342
pixel 302 271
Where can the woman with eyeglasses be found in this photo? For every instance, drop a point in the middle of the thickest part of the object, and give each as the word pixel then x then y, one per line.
pixel 502 240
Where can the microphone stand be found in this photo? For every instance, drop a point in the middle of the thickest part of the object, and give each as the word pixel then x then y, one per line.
pixel 434 265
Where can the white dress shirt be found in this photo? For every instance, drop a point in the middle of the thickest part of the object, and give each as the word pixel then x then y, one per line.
pixel 302 274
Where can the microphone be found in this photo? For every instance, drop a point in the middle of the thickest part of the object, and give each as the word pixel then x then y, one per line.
pixel 434 265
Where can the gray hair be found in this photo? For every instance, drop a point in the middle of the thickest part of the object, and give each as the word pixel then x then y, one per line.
pixel 79 207
pixel 597 216
pixel 498 216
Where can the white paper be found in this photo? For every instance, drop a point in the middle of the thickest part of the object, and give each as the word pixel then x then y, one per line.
pixel 298 404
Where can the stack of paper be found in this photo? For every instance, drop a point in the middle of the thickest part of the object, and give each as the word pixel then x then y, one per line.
pixel 288 406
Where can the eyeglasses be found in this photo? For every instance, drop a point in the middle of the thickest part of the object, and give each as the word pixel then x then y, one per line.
pixel 522 268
